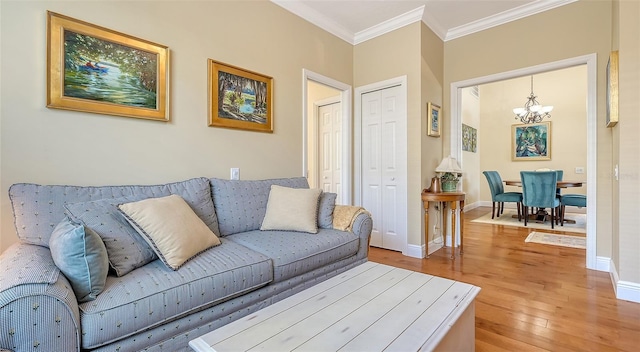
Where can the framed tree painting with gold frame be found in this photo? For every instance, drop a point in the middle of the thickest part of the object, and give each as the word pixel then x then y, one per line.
pixel 239 98
pixel 98 70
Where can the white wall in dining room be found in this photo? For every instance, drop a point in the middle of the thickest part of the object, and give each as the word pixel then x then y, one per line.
pixel 566 90
pixel 472 175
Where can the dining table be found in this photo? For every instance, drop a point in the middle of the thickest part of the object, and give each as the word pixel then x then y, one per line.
pixel 542 214
pixel 559 184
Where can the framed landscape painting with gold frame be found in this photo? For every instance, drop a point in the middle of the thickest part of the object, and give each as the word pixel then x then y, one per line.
pixel 98 70
pixel 612 89
pixel 239 98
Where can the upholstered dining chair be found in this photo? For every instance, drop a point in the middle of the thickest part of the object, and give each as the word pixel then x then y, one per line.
pixel 499 196
pixel 560 175
pixel 539 191
pixel 576 200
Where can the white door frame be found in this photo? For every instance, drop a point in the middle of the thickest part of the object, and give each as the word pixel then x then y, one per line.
pixel 357 156
pixel 345 97
pixel 590 60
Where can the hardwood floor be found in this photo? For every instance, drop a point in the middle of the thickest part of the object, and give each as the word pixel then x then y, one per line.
pixel 534 297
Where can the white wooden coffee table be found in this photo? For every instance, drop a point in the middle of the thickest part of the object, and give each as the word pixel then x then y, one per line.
pixel 372 307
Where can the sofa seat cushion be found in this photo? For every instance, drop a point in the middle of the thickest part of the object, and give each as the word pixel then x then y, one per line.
pixel 154 294
pixel 296 253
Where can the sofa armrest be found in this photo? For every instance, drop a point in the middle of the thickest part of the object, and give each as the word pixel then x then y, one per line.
pixel 38 308
pixel 362 226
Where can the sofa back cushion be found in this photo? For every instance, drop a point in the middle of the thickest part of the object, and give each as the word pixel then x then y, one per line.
pixel 241 204
pixel 37 209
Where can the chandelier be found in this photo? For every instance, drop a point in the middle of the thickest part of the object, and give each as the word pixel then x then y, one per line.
pixel 533 112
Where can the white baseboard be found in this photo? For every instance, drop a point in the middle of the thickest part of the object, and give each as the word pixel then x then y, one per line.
pixel 416 251
pixel 603 264
pixel 625 290
pixel 472 206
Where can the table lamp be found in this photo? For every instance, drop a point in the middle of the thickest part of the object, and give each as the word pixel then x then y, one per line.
pixel 450 172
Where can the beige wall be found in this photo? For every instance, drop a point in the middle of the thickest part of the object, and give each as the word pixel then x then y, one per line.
pixel 626 134
pixel 573 30
pixel 392 55
pixel 472 177
pixel 62 147
pixel 566 90
pixel 432 69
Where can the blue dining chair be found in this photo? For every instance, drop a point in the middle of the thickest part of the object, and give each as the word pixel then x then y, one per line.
pixel 560 175
pixel 539 191
pixel 499 196
pixel 576 200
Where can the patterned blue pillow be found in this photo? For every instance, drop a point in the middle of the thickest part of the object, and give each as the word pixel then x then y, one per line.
pixel 325 210
pixel 126 249
pixel 82 257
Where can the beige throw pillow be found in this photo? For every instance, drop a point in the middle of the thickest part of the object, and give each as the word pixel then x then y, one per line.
pixel 292 209
pixel 170 227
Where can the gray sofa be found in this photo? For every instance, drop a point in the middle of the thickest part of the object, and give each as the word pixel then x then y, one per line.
pixel 152 307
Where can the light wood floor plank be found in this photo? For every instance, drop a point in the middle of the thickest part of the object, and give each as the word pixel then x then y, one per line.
pixel 534 297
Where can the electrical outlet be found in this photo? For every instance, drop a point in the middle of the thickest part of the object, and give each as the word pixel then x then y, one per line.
pixel 235 173
pixel 580 170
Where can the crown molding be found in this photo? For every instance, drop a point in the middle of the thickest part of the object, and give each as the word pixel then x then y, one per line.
pixel 316 18
pixel 390 25
pixel 505 17
pixel 432 22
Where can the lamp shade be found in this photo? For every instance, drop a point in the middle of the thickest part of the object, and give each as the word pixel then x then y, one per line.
pixel 449 164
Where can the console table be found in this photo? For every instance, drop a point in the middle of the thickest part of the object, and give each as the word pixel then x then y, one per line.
pixel 446 197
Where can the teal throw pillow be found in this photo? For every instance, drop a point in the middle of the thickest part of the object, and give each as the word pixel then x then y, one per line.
pixel 82 257
pixel 325 210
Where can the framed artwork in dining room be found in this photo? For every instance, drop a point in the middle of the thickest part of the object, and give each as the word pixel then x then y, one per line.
pixel 98 70
pixel 530 142
pixel 469 138
pixel 433 120
pixel 239 98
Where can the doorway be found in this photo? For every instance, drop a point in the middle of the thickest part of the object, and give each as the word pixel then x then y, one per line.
pixel 381 160
pixel 591 64
pixel 328 159
pixel 319 151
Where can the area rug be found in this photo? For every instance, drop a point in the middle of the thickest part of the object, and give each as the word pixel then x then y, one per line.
pixel 506 219
pixel 557 240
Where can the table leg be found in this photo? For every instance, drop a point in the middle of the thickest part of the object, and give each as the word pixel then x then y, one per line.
pixel 461 225
pixel 443 221
pixel 426 228
pixel 453 228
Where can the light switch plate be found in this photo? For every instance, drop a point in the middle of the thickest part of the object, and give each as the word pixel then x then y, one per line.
pixel 235 173
pixel 580 170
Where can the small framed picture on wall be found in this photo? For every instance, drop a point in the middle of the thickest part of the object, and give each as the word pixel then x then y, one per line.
pixel 433 120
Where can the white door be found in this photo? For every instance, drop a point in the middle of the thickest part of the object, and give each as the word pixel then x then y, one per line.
pixel 384 176
pixel 330 148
